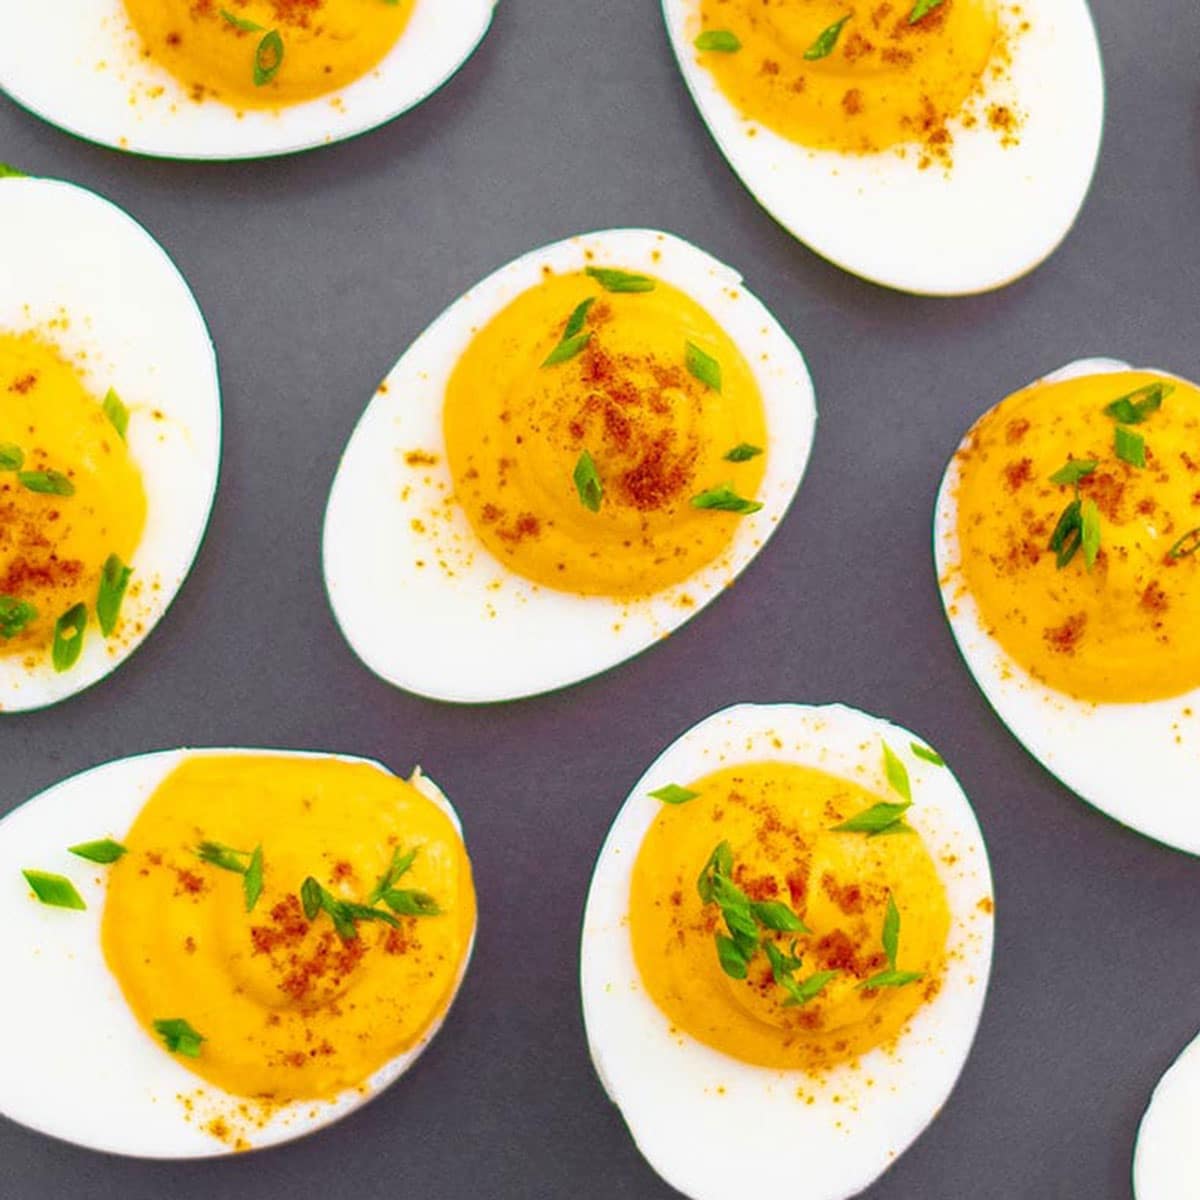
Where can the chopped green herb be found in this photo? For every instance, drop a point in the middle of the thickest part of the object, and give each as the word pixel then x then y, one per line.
pixel 310 898
pixel 729 954
pixel 268 58
pixel 674 794
pixel 1074 471
pixel 364 912
pixel 703 366
pixel 1134 408
pixel 776 916
pixel 8 171
pixel 1068 533
pixel 782 964
pixel 412 904
pixel 1184 548
pixel 720 862
pixel 1090 532
pixel 224 857
pixel 116 412
pixel 890 979
pixel 572 340
pixel 57 891
pixel 612 280
pixel 114 579
pixel 922 9
pixel 725 499
pixel 104 852
pixel 68 638
pixel 252 880
pixel 891 946
pixel 399 867
pixel 587 483
pixel 46 483
pixel 926 753
pixel 801 993
pixel 896 772
pixel 743 452
pixel 718 39
pixel 12 458
pixel 1130 446
pixel 14 616
pixel 578 316
pixel 879 818
pixel 179 1037
pixel 826 40
pixel 241 22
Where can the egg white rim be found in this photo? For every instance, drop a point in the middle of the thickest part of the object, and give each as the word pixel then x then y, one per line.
pixel 1160 1114
pixel 428 55
pixel 146 771
pixel 922 228
pixel 166 353
pixel 691 1152
pixel 437 629
pixel 1136 762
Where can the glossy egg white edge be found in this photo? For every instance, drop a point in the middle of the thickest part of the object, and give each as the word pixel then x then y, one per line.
pixel 65 251
pixel 1166 1161
pixel 482 633
pixel 1137 762
pixel 998 213
pixel 679 1098
pixel 69 1066
pixel 97 84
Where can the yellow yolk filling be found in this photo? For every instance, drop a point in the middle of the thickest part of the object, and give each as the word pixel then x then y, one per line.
pixel 885 81
pixel 326 44
pixel 516 430
pixel 288 1009
pixel 53 547
pixel 1125 630
pixel 777 819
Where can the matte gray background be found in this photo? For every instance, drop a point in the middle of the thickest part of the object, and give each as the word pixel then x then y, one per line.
pixel 315 272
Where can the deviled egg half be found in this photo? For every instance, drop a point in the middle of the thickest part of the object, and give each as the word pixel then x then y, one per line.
pixel 935 146
pixel 788 935
pixel 266 939
pixel 1166 1162
pixel 577 456
pixel 110 431
pixel 1066 540
pixel 239 79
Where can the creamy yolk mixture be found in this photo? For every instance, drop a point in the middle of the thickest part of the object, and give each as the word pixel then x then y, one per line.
pixel 882 82
pixel 1125 629
pixel 53 546
pixel 289 1009
pixel 777 820
pixel 516 429
pixel 273 52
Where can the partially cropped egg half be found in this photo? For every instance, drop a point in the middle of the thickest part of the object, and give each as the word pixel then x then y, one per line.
pixel 232 79
pixel 785 951
pixel 219 950
pixel 576 457
pixel 1066 540
pixel 1166 1163
pixel 110 429
pixel 936 147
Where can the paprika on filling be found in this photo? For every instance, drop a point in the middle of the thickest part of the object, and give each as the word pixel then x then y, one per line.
pixel 267 53
pixel 777 821
pixel 1122 627
pixel 71 494
pixel 861 85
pixel 518 424
pixel 291 1004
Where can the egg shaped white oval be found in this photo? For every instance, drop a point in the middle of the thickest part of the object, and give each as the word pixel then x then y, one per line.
pixel 681 1098
pixel 91 1074
pixel 100 84
pixel 1166 1161
pixel 999 210
pixel 86 280
pixel 439 615
pixel 1135 761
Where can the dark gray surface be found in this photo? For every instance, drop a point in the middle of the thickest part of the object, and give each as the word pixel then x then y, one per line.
pixel 315 272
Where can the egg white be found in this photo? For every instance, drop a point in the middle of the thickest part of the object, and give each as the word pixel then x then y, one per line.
pixel 680 1098
pixel 79 65
pixel 998 213
pixel 65 252
pixel 1137 762
pixel 77 1065
pixel 1166 1161
pixel 471 630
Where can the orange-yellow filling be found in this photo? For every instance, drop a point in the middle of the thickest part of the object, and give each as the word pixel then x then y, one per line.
pixel 658 436
pixel 53 546
pixel 1122 630
pixel 288 1007
pixel 777 820
pixel 268 53
pixel 874 81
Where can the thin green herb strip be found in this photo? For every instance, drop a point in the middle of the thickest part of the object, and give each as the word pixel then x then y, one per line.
pixel 927 753
pixel 8 171
pixel 725 499
pixel 1089 523
pixel 1187 545
pixel 743 452
pixel 105 851
pixel 252 880
pixel 896 772
pixel 268 58
pixel 703 366
pixel 116 412
pixel 55 891
pixel 114 579
pixel 672 793
pixel 68 638
pixel 179 1037
pixel 46 483
pixel 826 41
pixel 721 40
pixel 1129 446
pixel 1074 471
pixel 1135 407
pixel 612 280
pixel 15 614
pixel 400 865
pixel 587 483
pixel 241 22
pixel 12 457
pixel 922 9
pixel 879 818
